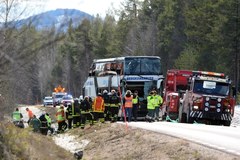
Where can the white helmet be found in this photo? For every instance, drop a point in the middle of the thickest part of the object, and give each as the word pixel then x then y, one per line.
pixel 105 91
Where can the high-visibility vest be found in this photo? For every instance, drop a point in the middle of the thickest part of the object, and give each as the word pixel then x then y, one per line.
pixel 98 104
pixel 128 102
pixel 60 115
pixel 135 100
pixel 49 121
pixel 150 102
pixel 16 116
pixel 157 100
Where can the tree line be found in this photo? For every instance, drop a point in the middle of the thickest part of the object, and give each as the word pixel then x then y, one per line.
pixel 186 34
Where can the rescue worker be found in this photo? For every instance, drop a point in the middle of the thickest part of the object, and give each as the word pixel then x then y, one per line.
pixel 35 124
pixel 115 103
pixel 17 118
pixel 30 115
pixel 106 105
pixel 49 122
pixel 150 107
pixel 69 115
pixel 76 113
pixel 98 108
pixel 61 119
pixel 127 101
pixel 157 103
pixel 44 124
pixel 136 105
pixel 85 108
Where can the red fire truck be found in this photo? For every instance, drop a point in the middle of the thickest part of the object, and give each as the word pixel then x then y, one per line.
pixel 210 99
pixel 175 86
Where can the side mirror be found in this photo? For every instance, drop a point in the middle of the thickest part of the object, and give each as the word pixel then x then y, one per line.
pixel 123 83
pixel 159 82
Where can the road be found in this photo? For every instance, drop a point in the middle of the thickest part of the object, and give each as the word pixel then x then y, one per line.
pixel 223 138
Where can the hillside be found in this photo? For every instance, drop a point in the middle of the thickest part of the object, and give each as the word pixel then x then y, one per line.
pixel 58 18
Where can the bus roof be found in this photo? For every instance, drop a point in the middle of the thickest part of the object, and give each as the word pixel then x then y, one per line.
pixel 121 58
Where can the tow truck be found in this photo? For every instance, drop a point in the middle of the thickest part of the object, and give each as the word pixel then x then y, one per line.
pixel 209 99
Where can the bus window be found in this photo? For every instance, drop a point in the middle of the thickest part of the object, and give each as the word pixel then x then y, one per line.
pixel 142 66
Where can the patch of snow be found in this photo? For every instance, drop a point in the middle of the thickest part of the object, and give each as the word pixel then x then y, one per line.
pixel 70 142
pixel 64 140
pixel 36 111
pixel 236 117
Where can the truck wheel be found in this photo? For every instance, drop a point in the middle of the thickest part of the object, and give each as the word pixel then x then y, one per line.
pixel 227 123
pixel 190 120
pixel 184 118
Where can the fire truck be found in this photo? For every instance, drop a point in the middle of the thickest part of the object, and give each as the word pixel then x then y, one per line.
pixel 209 99
pixel 57 95
pixel 176 84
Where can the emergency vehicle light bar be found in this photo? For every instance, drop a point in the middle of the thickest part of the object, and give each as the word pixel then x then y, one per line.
pixel 209 73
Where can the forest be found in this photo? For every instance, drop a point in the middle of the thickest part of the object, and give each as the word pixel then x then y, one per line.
pixel 186 34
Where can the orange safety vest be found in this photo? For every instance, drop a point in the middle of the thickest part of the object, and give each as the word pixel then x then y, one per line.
pixel 30 114
pixel 98 104
pixel 128 102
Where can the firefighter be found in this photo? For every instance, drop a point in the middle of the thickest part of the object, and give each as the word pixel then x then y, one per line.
pixel 128 104
pixel 157 103
pixel 136 105
pixel 17 118
pixel 69 115
pixel 61 120
pixel 44 124
pixel 76 113
pixel 150 107
pixel 115 103
pixel 98 109
pixel 106 105
pixel 86 116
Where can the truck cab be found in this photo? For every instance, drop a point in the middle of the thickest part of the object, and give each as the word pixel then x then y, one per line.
pixel 210 99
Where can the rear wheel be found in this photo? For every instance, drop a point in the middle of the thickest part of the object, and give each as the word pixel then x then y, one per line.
pixel 227 123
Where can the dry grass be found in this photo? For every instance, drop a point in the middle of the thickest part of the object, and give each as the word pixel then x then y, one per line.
pixel 22 144
pixel 114 141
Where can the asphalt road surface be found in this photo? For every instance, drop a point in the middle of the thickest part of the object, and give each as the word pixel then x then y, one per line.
pixel 223 138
